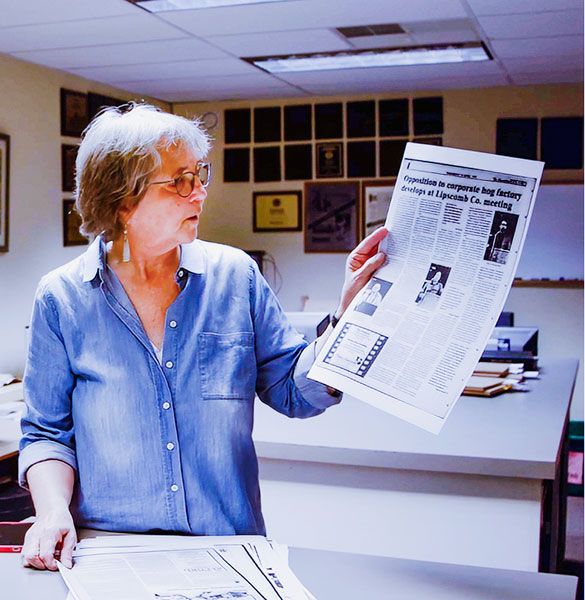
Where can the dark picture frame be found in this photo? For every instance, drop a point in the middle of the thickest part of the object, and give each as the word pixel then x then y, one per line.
pixel 361 119
pixel 97 102
pixel 427 115
pixel 298 162
pixel 361 159
pixel 68 156
pixel 74 112
pixel 267 163
pixel 298 122
pixel 561 142
pixel 267 124
pixel 71 223
pixel 517 137
pixel 390 156
pixel 393 117
pixel 329 160
pixel 237 125
pixel 236 165
pixel 331 216
pixel 329 120
pixel 4 191
pixel 277 211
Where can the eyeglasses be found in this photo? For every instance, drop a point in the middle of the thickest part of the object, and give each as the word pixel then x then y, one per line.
pixel 184 184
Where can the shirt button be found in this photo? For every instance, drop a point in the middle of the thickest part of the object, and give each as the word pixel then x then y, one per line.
pixel 170 446
pixel 174 487
pixel 166 405
pixel 169 364
pixel 181 273
pixel 173 324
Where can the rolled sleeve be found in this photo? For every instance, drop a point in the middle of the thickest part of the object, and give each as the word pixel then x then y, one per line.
pixel 37 452
pixel 313 392
pixel 47 423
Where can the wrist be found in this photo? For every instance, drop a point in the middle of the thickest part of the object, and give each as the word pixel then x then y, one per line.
pixel 335 317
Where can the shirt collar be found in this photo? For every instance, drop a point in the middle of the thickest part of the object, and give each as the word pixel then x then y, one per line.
pixel 192 259
pixel 93 259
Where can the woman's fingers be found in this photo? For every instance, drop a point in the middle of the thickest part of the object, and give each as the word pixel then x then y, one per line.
pixel 48 548
pixel 30 553
pixel 364 273
pixel 69 542
pixel 370 243
pixel 366 249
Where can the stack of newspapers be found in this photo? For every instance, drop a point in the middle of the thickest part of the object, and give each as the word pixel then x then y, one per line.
pixel 141 567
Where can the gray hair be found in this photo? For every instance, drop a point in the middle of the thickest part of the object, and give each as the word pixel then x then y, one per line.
pixel 119 152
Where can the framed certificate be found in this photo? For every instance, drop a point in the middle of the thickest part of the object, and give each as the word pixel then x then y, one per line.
pixel 71 224
pixel 329 159
pixel 376 197
pixel 277 211
pixel 331 216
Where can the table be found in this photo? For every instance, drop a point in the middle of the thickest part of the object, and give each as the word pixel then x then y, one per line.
pixel 341 576
pixel 358 480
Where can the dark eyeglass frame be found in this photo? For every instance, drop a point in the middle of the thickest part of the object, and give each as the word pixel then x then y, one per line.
pixel 195 174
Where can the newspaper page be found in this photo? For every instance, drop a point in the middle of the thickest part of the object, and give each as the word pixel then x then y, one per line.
pixel 410 340
pixel 140 567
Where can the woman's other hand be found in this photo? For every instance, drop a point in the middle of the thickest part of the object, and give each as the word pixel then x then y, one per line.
pixel 52 537
pixel 360 266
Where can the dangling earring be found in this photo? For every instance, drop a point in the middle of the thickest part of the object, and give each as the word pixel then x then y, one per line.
pixel 126 247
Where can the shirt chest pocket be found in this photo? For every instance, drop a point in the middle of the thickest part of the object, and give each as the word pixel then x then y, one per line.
pixel 227 365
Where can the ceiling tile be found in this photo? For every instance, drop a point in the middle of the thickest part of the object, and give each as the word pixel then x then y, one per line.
pixel 540 64
pixel 281 42
pixel 244 83
pixel 122 54
pixel 54 11
pixel 532 47
pixel 437 26
pixel 446 37
pixel 283 16
pixel 566 22
pixel 548 77
pixel 90 32
pixel 170 70
pixel 400 84
pixel 423 72
pixel 256 94
pixel 509 7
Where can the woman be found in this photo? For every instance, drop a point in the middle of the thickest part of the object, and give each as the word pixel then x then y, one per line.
pixel 146 352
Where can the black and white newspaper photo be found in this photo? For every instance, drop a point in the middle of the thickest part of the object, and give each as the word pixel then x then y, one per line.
pixel 410 340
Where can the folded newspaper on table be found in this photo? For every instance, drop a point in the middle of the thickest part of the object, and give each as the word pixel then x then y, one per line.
pixel 410 340
pixel 149 567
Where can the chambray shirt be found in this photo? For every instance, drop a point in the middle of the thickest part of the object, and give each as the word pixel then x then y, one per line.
pixel 161 445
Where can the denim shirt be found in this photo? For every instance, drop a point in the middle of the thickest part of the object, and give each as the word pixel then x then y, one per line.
pixel 162 445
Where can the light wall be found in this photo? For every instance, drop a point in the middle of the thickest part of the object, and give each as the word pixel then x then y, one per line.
pixel 470 117
pixel 30 115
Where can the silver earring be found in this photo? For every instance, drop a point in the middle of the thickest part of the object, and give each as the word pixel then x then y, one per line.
pixel 126 248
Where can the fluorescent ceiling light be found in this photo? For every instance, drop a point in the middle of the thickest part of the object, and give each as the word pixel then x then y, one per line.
pixel 380 57
pixel 171 5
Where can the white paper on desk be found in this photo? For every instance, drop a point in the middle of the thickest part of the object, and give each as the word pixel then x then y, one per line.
pixel 259 565
pixel 410 340
pixel 216 573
